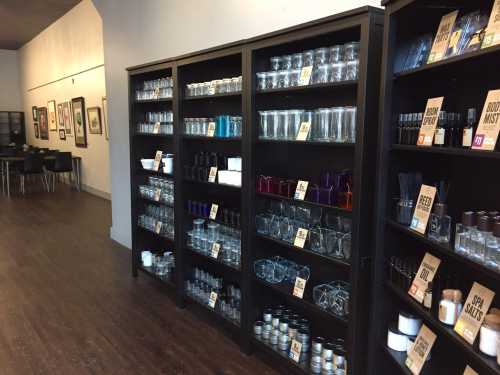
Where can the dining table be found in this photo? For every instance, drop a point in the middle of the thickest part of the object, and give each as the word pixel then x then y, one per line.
pixel 7 161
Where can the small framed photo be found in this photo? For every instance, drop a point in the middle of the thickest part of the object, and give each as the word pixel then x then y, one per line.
pixel 51 109
pixel 60 116
pixel 34 112
pixel 79 123
pixel 62 134
pixel 94 118
pixel 37 131
pixel 67 118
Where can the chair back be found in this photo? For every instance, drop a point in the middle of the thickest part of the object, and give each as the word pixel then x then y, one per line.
pixel 33 163
pixel 64 162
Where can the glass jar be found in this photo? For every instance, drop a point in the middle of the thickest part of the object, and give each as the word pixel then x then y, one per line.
pixel 336 124
pixel 322 73
pixel 450 306
pixel 272 80
pixel 351 51
pixel 352 70
pixel 275 63
pixel 284 78
pixel 349 129
pixel 263 124
pixel 226 84
pixel 234 84
pixel 239 83
pixel 308 58
pixel 272 125
pixel 294 119
pixel 282 125
pixel 322 125
pixel 297 61
pixel 338 72
pixel 490 333
pixel 286 62
pixel 320 56
pixel 198 225
pixel 336 54
pixel 261 81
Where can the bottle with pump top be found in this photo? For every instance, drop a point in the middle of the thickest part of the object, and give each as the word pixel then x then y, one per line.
pixel 399 129
pixel 440 133
pixel 469 128
pixel 439 221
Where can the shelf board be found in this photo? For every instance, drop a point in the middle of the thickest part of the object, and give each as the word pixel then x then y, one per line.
pixel 153 173
pixel 313 87
pixel 215 221
pixel 309 143
pixel 467 57
pixel 399 358
pixel 234 326
pixel 165 136
pixel 224 95
pixel 212 184
pixel 161 100
pixel 210 139
pixel 213 260
pixel 148 271
pixel 335 261
pixel 487 364
pixel 446 250
pixel 448 151
pixel 154 234
pixel 156 203
pixel 285 291
pixel 339 210
pixel 281 357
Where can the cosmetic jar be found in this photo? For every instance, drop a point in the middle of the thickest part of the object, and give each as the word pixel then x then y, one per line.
pixel 297 61
pixel 450 306
pixel 317 345
pixel 267 327
pixel 275 322
pixel 316 364
pixel 327 352
pixel 273 338
pixel 409 324
pixel 257 328
pixel 261 80
pixel 489 335
pixel 276 63
pixel 268 315
pixel 266 335
pixel 283 342
pixel 339 358
pixel 327 368
pixel 284 326
pixel 292 330
pixel 396 340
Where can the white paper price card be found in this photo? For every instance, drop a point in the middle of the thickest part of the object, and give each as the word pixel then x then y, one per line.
pixel 156 128
pixel 158 227
pixel 215 250
pixel 301 190
pixel 300 286
pixel 492 36
pixel 295 350
pixel 213 211
pixel 469 371
pixel 442 39
pixel 157 162
pixel 489 124
pixel 305 75
pixel 212 300
pixel 157 93
pixel 424 276
pixel 211 129
pixel 423 209
pixel 303 131
pixel 475 309
pixel 300 237
pixel 429 121
pixel 157 194
pixel 420 350
pixel 213 174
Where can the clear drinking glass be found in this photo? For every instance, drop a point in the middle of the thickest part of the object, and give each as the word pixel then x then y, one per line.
pixel 282 125
pixel 294 119
pixel 349 132
pixel 297 61
pixel 323 124
pixel 338 71
pixel 294 77
pixel 284 78
pixel 322 73
pixel 336 54
pixel 308 58
pixel 337 120
pixel 286 62
pixel 261 81
pixel 276 63
pixel 351 51
pixel 320 56
pixel 352 70
pixel 272 124
pixel 272 80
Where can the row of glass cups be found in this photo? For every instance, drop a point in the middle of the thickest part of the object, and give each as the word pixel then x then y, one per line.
pixel 166 229
pixel 216 86
pixel 161 116
pixel 161 188
pixel 149 128
pixel 155 89
pixel 161 264
pixel 278 270
pixel 333 297
pixel 226 126
pixel 337 124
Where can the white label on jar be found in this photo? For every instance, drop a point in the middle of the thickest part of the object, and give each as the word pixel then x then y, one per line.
pixel 215 250
pixel 305 75
pixel 212 300
pixel 213 211
pixel 213 174
pixel 439 137
pixel 300 237
pixel 300 191
pixel 158 227
pixel 467 138
pixel 158 156
pixel 156 128
pixel 300 286
pixel 303 131
pixel 157 194
pixel 211 129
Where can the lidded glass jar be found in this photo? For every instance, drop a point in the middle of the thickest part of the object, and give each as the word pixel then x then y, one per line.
pixel 286 62
pixel 308 58
pixel 352 70
pixel 450 306
pixel 351 51
pixel 490 333
pixel 338 71
pixel 322 73
pixel 295 76
pixel 320 56
pixel 261 81
pixel 272 80
pixel 275 63
pixel 336 54
pixel 284 78
pixel 297 61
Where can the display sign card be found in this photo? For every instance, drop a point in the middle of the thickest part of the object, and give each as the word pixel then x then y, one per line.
pixel 212 300
pixel 420 350
pixel 489 124
pixel 423 209
pixel 442 38
pixel 475 309
pixel 158 227
pixel 157 162
pixel 300 286
pixel 492 37
pixel 213 174
pixel 300 237
pixel 305 75
pixel 424 276
pixel 301 190
pixel 469 371
pixel 295 350
pixel 213 211
pixel 157 93
pixel 156 128
pixel 303 131
pixel 215 250
pixel 211 129
pixel 429 121
pixel 157 194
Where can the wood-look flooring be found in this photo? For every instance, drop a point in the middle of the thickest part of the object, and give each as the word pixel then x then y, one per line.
pixel 68 303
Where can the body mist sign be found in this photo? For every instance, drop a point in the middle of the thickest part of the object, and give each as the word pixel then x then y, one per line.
pixel 489 124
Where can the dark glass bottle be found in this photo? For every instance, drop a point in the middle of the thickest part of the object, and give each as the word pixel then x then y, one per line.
pixel 440 134
pixel 399 129
pixel 420 117
pixel 468 131
pixel 414 129
pixel 450 130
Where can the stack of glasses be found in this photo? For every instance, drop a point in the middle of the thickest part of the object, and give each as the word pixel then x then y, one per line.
pixel 328 234
pixel 155 89
pixel 160 264
pixel 227 216
pixel 217 86
pixel 337 124
pixel 278 270
pixel 159 189
pixel 226 126
pixel 228 299
pixel 333 297
pixel 334 64
pixel 165 118
pixel 202 239
pixel 158 219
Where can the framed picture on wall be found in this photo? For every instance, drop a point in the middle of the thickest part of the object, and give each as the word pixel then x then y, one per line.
pixel 34 113
pixel 67 117
pixel 60 117
pixel 79 123
pixel 62 135
pixel 37 132
pixel 105 117
pixel 51 108
pixel 94 118
pixel 43 123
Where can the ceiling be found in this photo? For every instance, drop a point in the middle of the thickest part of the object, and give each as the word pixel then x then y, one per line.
pixel 22 20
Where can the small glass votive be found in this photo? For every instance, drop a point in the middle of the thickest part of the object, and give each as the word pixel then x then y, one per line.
pixel 286 62
pixel 322 73
pixel 336 54
pixel 272 80
pixel 261 81
pixel 284 79
pixel 352 70
pixel 275 63
pixel 338 72
pixel 297 61
pixel 320 56
pixel 351 51
pixel 308 58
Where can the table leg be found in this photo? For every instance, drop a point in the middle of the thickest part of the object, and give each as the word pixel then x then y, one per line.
pixel 8 177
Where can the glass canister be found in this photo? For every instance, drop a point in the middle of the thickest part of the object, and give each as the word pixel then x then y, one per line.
pixel 213 231
pixel 308 58
pixel 322 125
pixel 226 84
pixel 338 71
pixel 263 124
pixel 282 125
pixel 198 225
pixel 275 63
pixel 284 78
pixel 320 56
pixel 294 77
pixel 286 62
pixel 234 84
pixel 350 124
pixel 297 61
pixel 336 123
pixel 272 80
pixel 351 51
pixel 261 81
pixel 336 54
pixel 272 124
pixel 294 119
pixel 322 73
pixel 352 70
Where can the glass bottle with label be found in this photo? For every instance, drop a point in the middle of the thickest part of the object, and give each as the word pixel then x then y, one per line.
pixel 468 132
pixel 418 124
pixel 428 296
pixel 463 232
pixel 439 224
pixel 450 130
pixel 399 129
pixel 493 248
pixel 450 306
pixel 478 238
pixel 440 133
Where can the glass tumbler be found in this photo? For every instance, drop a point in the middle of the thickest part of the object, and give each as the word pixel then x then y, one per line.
pixel 271 80
pixel 272 124
pixel 284 78
pixel 308 58
pixel 336 123
pixel 323 124
pixel 286 62
pixel 336 54
pixel 297 61
pixel 261 81
pixel 351 51
pixel 350 124
pixel 294 119
pixel 282 125
pixel 352 70
pixel 316 240
pixel 322 73
pixel 294 77
pixel 320 56
pixel 338 71
pixel 276 63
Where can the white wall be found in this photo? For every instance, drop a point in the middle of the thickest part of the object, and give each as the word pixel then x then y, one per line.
pixel 10 85
pixel 65 61
pixel 137 32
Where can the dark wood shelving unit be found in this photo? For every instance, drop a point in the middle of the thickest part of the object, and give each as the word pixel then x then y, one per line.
pixel 210 259
pixel 313 87
pixel 470 186
pixel 281 357
pixel 161 100
pixel 151 201
pixel 224 186
pixel 306 143
pixel 214 96
pixel 152 135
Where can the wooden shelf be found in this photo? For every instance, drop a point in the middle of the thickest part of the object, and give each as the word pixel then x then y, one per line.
pixel 148 271
pixel 161 100
pixel 212 184
pixel 214 261
pixel 451 151
pixel 307 143
pixel 215 221
pixel 210 139
pixel 313 87
pixel 399 359
pixel 215 96
pixel 281 357
pixel 156 203
pixel 154 173
pixel 161 136
pixel 154 234
pixel 233 325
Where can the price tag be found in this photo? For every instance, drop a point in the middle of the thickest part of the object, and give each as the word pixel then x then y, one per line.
pixel 429 121
pixel 157 162
pixel 157 194
pixel 300 237
pixel 420 350
pixel 295 350
pixel 423 209
pixel 303 131
pixel 211 129
pixel 213 211
pixel 211 88
pixel 215 250
pixel 301 190
pixel 157 93
pixel 469 371
pixel 492 36
pixel 156 128
pixel 489 124
pixel 425 275
pixel 213 174
pixel 475 309
pixel 442 38
pixel 212 300
pixel 300 286
pixel 305 75
pixel 158 227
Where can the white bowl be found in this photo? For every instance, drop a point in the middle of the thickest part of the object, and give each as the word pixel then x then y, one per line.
pixel 147 163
